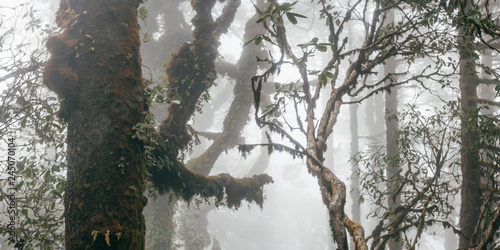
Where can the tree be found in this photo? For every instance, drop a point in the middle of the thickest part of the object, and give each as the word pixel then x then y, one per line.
pixel 380 44
pixel 471 21
pixel 95 70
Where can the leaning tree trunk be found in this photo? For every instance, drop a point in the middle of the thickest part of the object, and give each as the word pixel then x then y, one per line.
pixel 95 70
pixel 471 184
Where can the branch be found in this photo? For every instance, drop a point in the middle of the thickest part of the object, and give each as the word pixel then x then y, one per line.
pixel 488 235
pixel 227 17
pixel 167 173
pixel 488 81
pixel 489 102
pixel 357 232
pixel 225 68
pixel 246 148
pixel 209 135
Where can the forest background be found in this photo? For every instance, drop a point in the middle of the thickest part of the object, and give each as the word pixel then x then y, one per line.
pixel 375 121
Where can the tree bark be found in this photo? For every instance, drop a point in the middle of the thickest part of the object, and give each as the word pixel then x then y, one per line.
pixel 356 211
pixel 470 190
pixel 95 69
pixel 391 135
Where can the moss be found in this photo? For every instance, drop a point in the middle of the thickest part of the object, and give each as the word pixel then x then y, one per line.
pixel 59 74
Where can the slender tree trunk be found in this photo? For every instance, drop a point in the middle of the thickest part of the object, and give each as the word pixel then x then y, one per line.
pixel 95 69
pixel 392 128
pixel 487 91
pixel 470 190
pixel 354 189
pixel 374 115
pixel 391 139
pixel 160 225
pixel 356 211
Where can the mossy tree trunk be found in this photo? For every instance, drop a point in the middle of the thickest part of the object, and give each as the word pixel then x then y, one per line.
pixel 95 69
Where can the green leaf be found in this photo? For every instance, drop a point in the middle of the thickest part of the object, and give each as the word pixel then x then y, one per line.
pixel 258 40
pixel 284 6
pixel 249 41
pixel 267 38
pixel 20 166
pixel 298 15
pixel 291 18
pixel 322 48
pixel 56 168
pixel 323 79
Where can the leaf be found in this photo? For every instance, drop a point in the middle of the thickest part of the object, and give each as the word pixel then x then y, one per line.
pixel 323 79
pixel 20 166
pixel 248 42
pixel 322 48
pixel 267 38
pixel 298 15
pixel 291 18
pixel 284 6
pixel 258 40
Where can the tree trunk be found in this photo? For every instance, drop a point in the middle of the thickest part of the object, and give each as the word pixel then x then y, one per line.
pixel 95 69
pixel 356 211
pixel 391 139
pixel 470 190
pixel 392 129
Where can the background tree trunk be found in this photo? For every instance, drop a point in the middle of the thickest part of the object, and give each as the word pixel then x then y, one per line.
pixel 471 184
pixel 392 129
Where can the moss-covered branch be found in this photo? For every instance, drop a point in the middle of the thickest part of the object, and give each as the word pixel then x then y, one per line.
pixel 237 116
pixel 191 72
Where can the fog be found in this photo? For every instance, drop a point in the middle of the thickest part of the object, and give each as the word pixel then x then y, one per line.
pixel 336 85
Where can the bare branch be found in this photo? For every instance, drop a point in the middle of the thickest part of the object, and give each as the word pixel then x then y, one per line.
pixel 488 102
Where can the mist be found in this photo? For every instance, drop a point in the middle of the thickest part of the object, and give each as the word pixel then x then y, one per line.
pixel 249 125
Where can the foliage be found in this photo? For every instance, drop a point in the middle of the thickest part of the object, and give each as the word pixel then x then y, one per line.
pixel 28 115
pixel 428 181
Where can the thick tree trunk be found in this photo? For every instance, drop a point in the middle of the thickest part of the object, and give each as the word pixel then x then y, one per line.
pixel 95 69
pixel 470 191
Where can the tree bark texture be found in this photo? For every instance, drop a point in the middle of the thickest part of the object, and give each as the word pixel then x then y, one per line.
pixel 391 135
pixel 471 184
pixel 95 69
